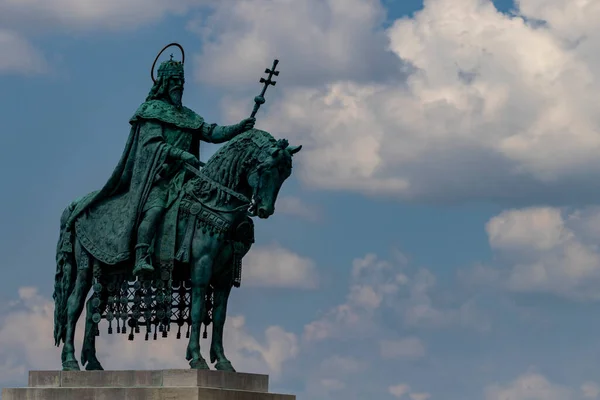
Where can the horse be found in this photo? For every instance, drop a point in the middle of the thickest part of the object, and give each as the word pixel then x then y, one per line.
pixel 213 232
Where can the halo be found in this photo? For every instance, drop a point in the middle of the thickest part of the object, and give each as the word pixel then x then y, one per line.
pixel 162 51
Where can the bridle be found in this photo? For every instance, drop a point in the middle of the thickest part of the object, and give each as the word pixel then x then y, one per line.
pixel 251 203
pixel 255 199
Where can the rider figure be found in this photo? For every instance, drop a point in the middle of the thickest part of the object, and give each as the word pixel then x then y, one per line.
pixel 182 130
pixel 123 215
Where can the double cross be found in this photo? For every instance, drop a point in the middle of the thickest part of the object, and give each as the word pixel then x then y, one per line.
pixel 260 99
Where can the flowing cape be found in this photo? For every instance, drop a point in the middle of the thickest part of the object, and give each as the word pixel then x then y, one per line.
pixel 106 221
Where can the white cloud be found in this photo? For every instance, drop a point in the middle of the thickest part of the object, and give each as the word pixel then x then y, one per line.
pixel 26 343
pixel 18 55
pixel 365 296
pixel 535 228
pixel 274 266
pixel 379 286
pixel 590 390
pixel 373 282
pixel 333 323
pixel 403 389
pixel 548 250
pixel 316 41
pixel 89 14
pixel 493 103
pixel 419 396
pixel 409 347
pixel 529 386
pixel 296 207
pixel 399 390
pixel 420 308
pixel 574 22
pixel 279 346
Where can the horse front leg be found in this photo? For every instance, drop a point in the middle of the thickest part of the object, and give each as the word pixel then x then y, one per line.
pixel 75 304
pixel 201 270
pixel 88 350
pixel 217 353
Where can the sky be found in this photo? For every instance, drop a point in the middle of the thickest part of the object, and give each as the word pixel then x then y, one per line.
pixel 438 239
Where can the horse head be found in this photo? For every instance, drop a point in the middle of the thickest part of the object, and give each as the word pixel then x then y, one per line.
pixel 249 169
pixel 273 167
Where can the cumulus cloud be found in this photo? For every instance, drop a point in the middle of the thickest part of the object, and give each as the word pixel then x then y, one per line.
pixel 275 266
pixel 529 386
pixel 381 287
pixel 493 102
pixel 19 56
pixel 89 14
pixel 316 40
pixel 419 396
pixel 538 229
pixel 590 390
pixel 267 356
pixel 399 390
pixel 403 389
pixel 21 21
pixel 26 343
pixel 372 282
pixel 546 250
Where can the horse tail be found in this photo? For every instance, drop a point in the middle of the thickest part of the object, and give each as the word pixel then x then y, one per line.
pixel 66 271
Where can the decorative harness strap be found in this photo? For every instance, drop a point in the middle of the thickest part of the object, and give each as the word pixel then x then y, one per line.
pixel 225 189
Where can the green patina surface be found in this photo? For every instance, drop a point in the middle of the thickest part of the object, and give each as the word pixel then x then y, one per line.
pixel 161 243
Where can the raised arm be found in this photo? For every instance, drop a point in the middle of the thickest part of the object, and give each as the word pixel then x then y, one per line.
pixel 214 133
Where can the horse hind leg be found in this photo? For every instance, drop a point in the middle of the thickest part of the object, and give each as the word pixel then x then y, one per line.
pixel 75 304
pixel 217 353
pixel 88 350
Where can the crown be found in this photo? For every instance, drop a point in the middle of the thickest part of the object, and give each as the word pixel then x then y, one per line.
pixel 170 67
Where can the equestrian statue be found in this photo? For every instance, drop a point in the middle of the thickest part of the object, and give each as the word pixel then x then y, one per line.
pixel 161 244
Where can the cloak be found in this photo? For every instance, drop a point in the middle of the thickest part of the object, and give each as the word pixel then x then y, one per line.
pixel 106 221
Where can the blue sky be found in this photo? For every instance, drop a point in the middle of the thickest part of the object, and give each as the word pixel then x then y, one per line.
pixel 438 238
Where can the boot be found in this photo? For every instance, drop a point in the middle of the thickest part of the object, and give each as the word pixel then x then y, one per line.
pixel 142 263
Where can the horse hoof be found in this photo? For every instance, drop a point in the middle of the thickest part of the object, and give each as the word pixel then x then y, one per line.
pixel 199 364
pixel 224 366
pixel 94 366
pixel 71 366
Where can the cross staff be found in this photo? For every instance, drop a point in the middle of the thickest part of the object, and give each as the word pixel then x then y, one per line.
pixel 260 99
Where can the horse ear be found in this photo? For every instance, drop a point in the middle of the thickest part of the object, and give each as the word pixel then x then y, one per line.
pixel 283 143
pixel 294 149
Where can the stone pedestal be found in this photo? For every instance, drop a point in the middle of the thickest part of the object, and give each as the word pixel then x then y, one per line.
pixel 144 385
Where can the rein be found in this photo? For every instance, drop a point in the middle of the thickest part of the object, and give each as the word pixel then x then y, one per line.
pixel 249 203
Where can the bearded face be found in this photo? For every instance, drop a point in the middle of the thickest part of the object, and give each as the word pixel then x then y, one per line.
pixel 176 90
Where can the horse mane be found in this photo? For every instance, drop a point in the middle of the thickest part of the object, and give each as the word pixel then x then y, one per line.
pixel 227 165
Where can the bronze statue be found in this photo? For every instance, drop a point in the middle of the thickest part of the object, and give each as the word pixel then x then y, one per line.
pixel 161 243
